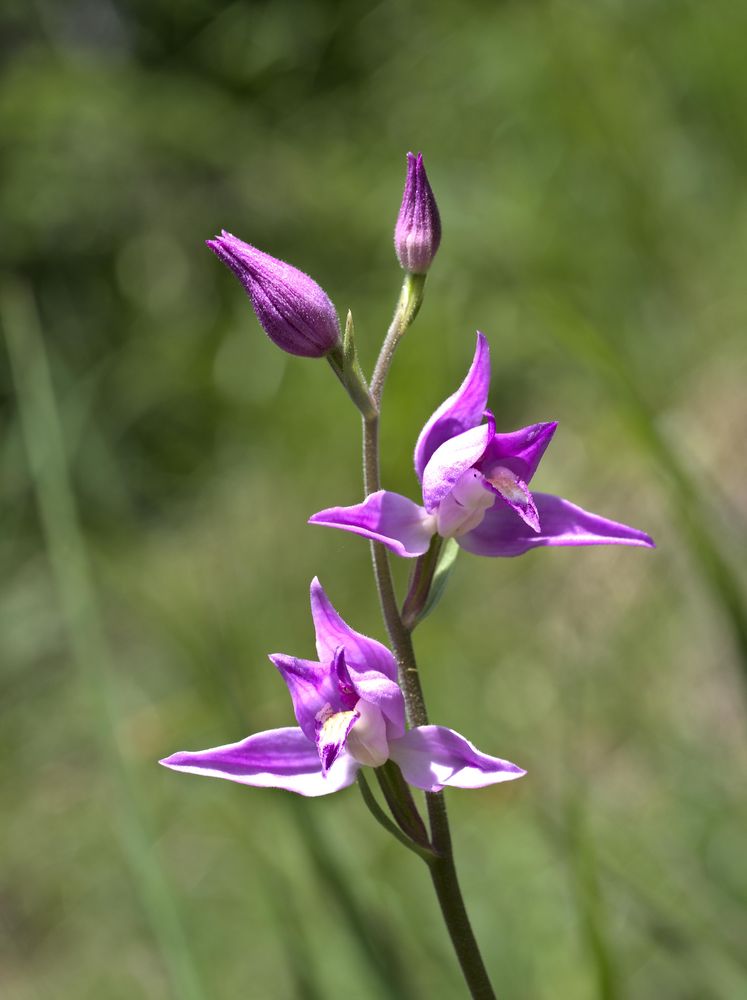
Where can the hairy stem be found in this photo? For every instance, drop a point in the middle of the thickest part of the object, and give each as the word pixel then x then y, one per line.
pixel 409 303
pixel 442 868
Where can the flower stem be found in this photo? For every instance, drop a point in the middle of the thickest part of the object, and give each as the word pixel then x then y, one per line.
pixel 410 300
pixel 442 868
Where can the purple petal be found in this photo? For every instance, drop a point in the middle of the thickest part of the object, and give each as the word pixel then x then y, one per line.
pixel 503 533
pixel 450 461
pixel 460 412
pixel 372 687
pixel 432 756
pixel 361 652
pixel 402 525
pixel 386 695
pixel 520 451
pixel 314 689
pixel 277 758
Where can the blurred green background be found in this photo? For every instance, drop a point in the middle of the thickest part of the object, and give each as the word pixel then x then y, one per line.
pixel 589 160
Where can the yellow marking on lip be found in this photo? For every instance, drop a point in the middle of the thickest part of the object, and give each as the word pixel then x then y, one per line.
pixel 335 727
pixel 505 482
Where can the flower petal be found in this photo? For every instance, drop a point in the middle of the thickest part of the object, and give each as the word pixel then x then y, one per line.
pixel 460 412
pixel 361 652
pixel 372 687
pixel 386 695
pixel 464 507
pixel 276 758
pixel 503 533
pixel 314 689
pixel 450 461
pixel 520 451
pixel 368 740
pixel 433 756
pixel 400 524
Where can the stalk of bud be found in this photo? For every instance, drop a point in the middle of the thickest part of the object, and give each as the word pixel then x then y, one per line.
pixel 417 234
pixel 294 311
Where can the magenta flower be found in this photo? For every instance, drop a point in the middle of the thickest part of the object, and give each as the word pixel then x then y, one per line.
pixel 350 712
pixel 295 312
pixel 476 487
pixel 417 234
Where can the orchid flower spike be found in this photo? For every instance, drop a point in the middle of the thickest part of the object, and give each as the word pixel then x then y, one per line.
pixel 476 487
pixel 417 234
pixel 351 713
pixel 295 312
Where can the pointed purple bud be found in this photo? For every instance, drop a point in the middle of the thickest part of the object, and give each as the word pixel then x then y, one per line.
pixel 295 312
pixel 418 232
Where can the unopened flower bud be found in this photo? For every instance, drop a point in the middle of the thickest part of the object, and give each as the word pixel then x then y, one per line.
pixel 418 231
pixel 295 312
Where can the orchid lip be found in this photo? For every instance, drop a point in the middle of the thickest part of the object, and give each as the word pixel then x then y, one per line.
pixel 334 728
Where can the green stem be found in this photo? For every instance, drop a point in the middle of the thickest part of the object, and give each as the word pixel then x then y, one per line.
pixel 410 300
pixel 442 868
pixel 381 817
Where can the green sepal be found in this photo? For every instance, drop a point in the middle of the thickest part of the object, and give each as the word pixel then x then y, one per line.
pixel 445 565
pixel 344 363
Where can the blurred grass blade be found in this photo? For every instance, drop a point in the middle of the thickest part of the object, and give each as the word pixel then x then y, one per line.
pixel 703 949
pixel 375 941
pixel 45 447
pixel 301 969
pixel 590 901
pixel 690 509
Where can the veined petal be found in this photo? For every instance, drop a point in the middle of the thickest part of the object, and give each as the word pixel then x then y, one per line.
pixel 432 756
pixel 460 412
pixel 402 525
pixel 520 451
pixel 448 462
pixel 314 690
pixel 503 533
pixel 276 758
pixel 373 688
pixel 515 493
pixel 361 652
pixel 386 695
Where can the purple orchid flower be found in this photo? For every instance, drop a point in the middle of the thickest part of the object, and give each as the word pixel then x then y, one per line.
pixel 476 487
pixel 417 234
pixel 350 713
pixel 295 312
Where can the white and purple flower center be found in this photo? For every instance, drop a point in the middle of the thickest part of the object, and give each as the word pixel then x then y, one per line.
pixel 360 730
pixel 475 492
